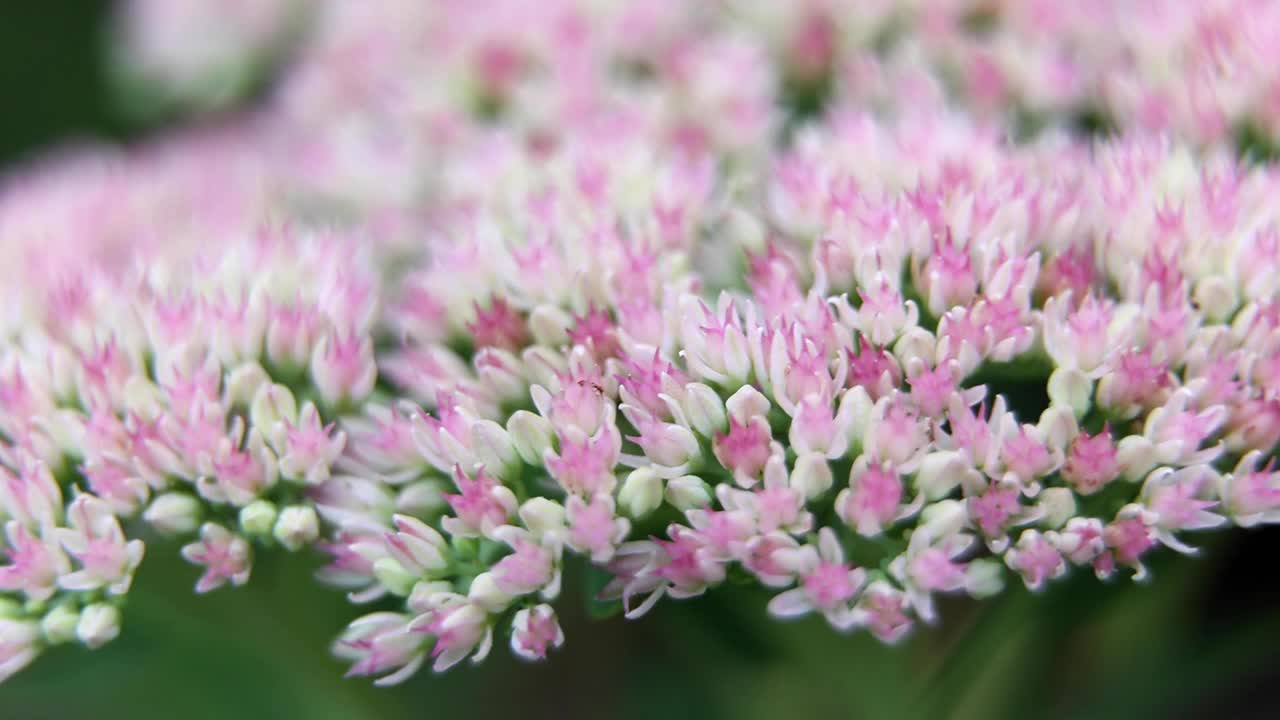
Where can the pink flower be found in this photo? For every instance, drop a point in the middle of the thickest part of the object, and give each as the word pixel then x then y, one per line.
pixel 931 390
pixel 531 567
pixel 744 449
pixel 778 505
pixel 307 449
pixel 417 547
pixel 1251 494
pixel 535 631
pixel 930 566
pixel 996 509
pixel 883 610
pixel 874 499
pixel 580 403
pixel 1091 462
pixel 665 444
pixel 884 314
pixel 98 544
pixel 19 645
pixel 381 443
pixel 118 485
pixel 895 433
pixel 382 642
pixel 763 560
pixel 1127 539
pixel 32 497
pixel 947 278
pixel 1180 500
pixel 873 369
pixel 1085 337
pixel 1178 432
pixel 232 475
pixel 225 557
pixel 35 564
pixel 292 331
pixel 827 583
pixel 498 326
pixel 715 342
pixel 1036 558
pixel 594 527
pixel 641 379
pixel 1133 380
pixel 342 368
pixel 1026 453
pixel 585 465
pixel 595 331
pixel 481 505
pixel 686 564
pixel 460 628
pixel 722 534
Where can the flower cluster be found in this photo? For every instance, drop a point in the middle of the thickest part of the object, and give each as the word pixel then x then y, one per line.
pixel 492 292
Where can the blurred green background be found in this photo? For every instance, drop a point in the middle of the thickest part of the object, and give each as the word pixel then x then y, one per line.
pixel 1202 641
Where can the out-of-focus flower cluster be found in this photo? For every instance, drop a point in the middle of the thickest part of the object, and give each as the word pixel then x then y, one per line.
pixel 689 293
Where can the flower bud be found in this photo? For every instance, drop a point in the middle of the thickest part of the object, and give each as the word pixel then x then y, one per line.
pixel 747 403
pixel 1216 298
pixel 944 519
pixel 272 404
pixel 173 513
pixel 502 371
pixel 99 624
pixel 1071 388
pixel 244 382
pixel 704 409
pixel 531 436
pixel 143 398
pixel 940 472
pixel 811 475
pixel 688 493
pixel 493 448
pixel 550 325
pixel 745 230
pixel 856 407
pixel 393 576
pixel 425 593
pixel 59 624
pixel 983 578
pixel 424 498
pixel 297 527
pixel 1059 506
pixel 258 517
pixel 1136 457
pixel 485 592
pixel 542 516
pixel 641 493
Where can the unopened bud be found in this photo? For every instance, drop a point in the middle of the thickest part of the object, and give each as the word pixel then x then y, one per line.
pixel 1071 388
pixel 271 404
pixel 173 513
pixel 531 436
pixel 688 493
pixel 297 527
pixel 59 624
pixel 704 409
pixel 258 518
pixel 99 624
pixel 641 493
pixel 812 475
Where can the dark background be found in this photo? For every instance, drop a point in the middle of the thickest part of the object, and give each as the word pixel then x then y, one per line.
pixel 1201 641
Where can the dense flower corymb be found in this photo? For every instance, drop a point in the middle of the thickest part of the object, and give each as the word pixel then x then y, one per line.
pixel 604 291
